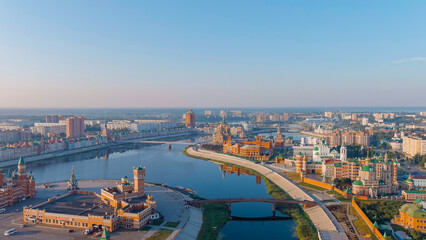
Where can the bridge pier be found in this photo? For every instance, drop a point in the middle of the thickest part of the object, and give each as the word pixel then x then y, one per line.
pixel 273 209
pixel 170 146
pixel 229 207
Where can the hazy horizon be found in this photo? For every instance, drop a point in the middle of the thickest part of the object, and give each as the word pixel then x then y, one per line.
pixel 239 54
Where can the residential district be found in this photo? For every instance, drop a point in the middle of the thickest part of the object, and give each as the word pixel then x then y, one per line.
pixel 356 161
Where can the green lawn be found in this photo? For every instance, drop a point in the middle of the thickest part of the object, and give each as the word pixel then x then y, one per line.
pixel 215 216
pixel 171 224
pixel 157 222
pixel 161 234
pixel 303 184
pixel 361 226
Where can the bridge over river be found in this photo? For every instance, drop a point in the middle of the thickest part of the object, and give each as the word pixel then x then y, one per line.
pixel 197 202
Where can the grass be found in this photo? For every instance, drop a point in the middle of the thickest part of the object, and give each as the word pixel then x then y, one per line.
pixel 146 228
pixel 172 224
pixel 303 184
pixel 157 222
pixel 305 228
pixel 215 216
pixel 293 176
pixel 360 225
pixel 161 234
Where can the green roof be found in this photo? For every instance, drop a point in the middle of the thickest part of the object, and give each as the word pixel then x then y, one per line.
pixel 413 211
pixel 415 191
pixel 375 224
pixel 125 177
pixel 280 156
pixel 409 180
pixel 366 168
pixel 348 190
pixel 316 153
pixel 105 235
pixel 316 149
pixel 139 168
pixel 32 178
pixel 357 183
pixel 337 165
pixel 21 161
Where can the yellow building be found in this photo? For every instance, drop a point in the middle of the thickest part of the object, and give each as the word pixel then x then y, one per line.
pixel 258 149
pixel 412 216
pixel 413 146
pixel 124 206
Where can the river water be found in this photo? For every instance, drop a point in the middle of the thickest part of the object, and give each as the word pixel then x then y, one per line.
pixel 173 168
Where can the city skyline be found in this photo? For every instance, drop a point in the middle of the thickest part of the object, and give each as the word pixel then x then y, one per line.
pixel 203 55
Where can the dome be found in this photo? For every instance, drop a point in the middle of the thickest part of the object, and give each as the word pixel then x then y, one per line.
pixel 357 183
pixel 366 168
pixel 316 149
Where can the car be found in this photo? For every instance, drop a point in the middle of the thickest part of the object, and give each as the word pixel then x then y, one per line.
pixel 10 232
pixel 71 230
pixel 2 210
pixel 23 225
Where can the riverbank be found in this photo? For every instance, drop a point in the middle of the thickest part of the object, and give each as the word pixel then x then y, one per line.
pixel 305 228
pixel 66 153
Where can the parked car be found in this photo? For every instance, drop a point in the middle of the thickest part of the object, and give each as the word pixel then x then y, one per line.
pixel 2 210
pixel 10 232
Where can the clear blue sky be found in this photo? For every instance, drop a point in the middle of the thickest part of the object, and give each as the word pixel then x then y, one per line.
pixel 212 53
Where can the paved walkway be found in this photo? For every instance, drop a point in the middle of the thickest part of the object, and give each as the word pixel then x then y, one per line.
pixel 327 226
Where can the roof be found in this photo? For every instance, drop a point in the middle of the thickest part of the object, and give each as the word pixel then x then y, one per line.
pixel 413 210
pixel 418 177
pixel 348 190
pixel 21 160
pixel 366 168
pixel 316 149
pixel 357 183
pixel 105 235
pixel 415 191
pixel 140 168
pixel 375 224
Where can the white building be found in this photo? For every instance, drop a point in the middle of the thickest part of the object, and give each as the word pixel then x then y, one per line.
pixel 419 180
pixel 364 121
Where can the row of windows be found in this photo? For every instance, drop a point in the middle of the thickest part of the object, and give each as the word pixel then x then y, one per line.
pixel 56 221
pixel 421 221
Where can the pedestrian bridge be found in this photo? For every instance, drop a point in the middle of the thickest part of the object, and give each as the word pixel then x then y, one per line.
pixel 197 203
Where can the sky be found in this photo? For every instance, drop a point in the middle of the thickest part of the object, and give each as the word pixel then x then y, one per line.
pixel 135 54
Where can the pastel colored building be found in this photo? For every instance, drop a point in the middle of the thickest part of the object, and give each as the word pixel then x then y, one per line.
pixel 124 206
pixel 412 216
pixel 16 186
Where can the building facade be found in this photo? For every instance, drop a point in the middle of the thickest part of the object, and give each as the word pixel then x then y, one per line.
pixel 190 118
pixel 124 206
pixel 412 216
pixel 16 186
pixel 75 127
pixel 413 146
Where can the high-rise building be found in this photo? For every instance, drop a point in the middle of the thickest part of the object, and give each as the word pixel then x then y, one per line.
pixel 190 118
pixel 54 118
pixel 414 145
pixel 364 121
pixel 208 113
pixel 75 127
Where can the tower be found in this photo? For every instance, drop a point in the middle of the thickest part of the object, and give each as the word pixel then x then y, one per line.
pixel 1 177
pixel 9 180
pixel 21 166
pixel 72 183
pixel 343 152
pixel 279 141
pixel 139 180
pixel 395 171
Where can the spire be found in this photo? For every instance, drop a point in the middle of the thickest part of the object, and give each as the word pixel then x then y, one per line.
pixel 376 225
pixel 105 235
pixel 21 161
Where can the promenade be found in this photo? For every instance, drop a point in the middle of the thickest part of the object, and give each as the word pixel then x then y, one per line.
pixel 64 153
pixel 327 226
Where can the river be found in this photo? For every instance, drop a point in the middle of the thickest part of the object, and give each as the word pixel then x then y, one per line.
pixel 173 168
